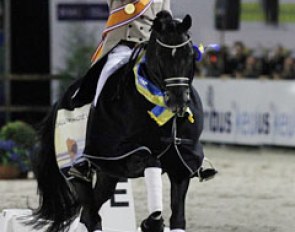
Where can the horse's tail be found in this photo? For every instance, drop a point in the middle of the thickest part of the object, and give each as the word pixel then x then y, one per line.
pixel 57 202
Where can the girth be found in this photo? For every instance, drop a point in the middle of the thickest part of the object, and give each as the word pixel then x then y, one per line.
pixel 176 141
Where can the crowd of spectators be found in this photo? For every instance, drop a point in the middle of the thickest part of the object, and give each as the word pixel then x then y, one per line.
pixel 241 62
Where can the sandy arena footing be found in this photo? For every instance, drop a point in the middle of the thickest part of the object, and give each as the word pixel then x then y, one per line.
pixel 254 192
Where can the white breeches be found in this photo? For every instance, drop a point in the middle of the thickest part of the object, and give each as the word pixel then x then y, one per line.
pixel 116 59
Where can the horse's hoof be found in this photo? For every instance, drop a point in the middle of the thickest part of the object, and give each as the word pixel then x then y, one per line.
pixel 92 224
pixel 152 225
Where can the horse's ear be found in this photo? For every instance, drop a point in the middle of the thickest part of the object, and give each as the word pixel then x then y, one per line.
pixel 161 18
pixel 164 14
pixel 186 24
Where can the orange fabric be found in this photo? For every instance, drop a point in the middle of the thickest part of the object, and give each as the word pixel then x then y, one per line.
pixel 121 16
pixel 97 53
pixel 117 18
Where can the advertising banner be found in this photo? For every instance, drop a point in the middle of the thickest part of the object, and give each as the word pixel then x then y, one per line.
pixel 250 112
pixel 75 30
pixel 74 23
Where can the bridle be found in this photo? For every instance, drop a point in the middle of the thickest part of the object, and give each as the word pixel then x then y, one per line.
pixel 173 47
pixel 175 81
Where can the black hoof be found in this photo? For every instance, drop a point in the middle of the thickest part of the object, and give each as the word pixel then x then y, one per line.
pixel 93 227
pixel 152 225
pixel 91 223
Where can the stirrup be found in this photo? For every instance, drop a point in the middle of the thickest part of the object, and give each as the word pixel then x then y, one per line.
pixel 205 174
pixel 77 171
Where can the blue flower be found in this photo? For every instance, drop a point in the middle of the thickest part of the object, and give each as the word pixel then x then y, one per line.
pixel 7 145
pixel 14 157
pixel 11 153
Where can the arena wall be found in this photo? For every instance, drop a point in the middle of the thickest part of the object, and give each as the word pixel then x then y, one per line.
pixel 248 112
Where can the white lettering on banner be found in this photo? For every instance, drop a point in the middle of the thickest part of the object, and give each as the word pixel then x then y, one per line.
pixel 253 112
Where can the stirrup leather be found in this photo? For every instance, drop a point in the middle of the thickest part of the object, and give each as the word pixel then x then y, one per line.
pixel 85 175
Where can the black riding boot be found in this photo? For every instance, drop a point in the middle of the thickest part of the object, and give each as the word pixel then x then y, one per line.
pixel 92 223
pixel 205 174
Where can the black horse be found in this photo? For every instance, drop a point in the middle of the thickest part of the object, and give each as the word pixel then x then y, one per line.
pixel 125 133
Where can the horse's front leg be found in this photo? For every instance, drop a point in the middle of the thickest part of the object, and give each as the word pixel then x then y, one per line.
pixel 179 189
pixel 153 181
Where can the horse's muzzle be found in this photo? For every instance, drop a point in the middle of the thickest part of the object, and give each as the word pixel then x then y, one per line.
pixel 177 94
pixel 177 101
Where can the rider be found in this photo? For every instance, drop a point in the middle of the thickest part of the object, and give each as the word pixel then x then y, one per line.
pixel 129 23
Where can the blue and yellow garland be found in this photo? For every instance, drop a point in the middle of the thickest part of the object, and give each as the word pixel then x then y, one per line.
pixel 160 113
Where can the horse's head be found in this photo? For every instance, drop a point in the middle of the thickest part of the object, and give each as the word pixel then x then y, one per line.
pixel 170 60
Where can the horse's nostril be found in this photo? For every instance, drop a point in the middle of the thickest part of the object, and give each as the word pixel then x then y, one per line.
pixel 166 97
pixel 188 97
pixel 181 114
pixel 181 111
pixel 174 109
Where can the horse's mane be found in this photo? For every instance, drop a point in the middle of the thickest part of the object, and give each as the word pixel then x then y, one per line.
pixel 128 68
pixel 137 51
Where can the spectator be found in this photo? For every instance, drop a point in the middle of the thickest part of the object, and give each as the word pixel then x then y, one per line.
pixel 238 60
pixel 261 55
pixel 212 66
pixel 276 61
pixel 288 72
pixel 259 63
pixel 253 67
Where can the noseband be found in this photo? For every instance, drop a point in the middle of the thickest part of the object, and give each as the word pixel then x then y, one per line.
pixel 175 81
